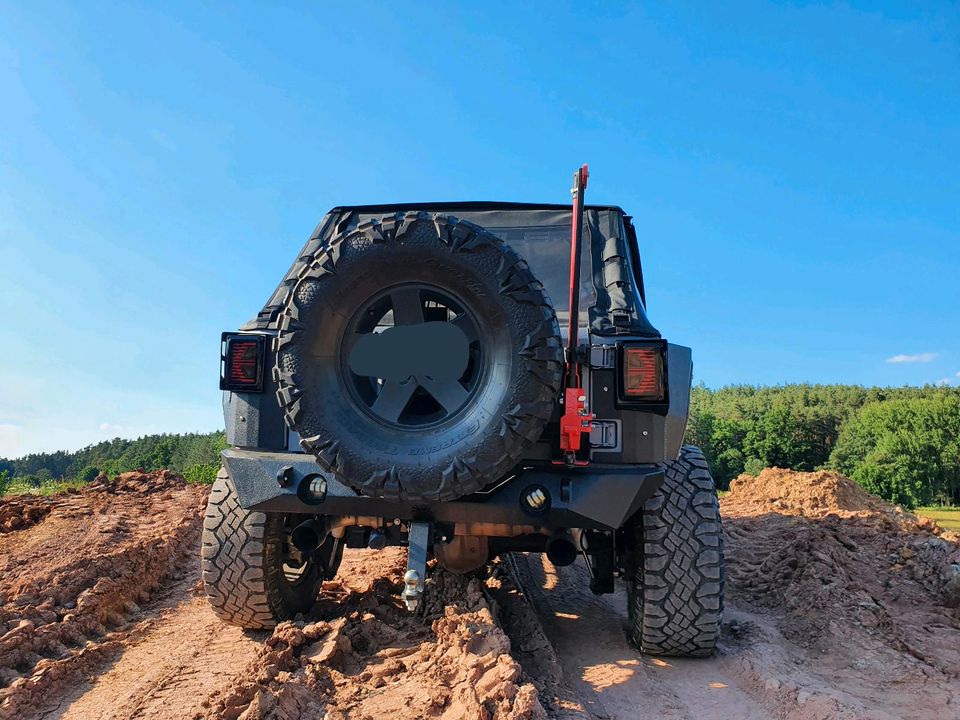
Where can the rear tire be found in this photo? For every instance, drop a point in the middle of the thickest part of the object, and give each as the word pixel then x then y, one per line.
pixel 243 558
pixel 675 594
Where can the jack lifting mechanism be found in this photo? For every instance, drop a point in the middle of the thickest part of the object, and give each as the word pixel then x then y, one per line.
pixel 575 422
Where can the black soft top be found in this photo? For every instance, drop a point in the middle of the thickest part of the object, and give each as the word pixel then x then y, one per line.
pixel 618 308
pixel 447 206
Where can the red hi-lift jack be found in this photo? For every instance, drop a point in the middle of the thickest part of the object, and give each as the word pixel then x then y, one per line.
pixel 576 421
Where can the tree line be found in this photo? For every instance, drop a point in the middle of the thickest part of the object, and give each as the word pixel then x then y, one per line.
pixel 196 456
pixel 900 443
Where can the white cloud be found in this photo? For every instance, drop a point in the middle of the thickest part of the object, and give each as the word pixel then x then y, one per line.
pixel 958 374
pixel 11 437
pixel 110 428
pixel 943 382
pixel 918 358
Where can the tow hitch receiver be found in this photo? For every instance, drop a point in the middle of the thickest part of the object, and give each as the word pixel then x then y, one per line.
pixel 418 541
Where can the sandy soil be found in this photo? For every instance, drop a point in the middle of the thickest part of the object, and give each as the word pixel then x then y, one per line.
pixel 838 606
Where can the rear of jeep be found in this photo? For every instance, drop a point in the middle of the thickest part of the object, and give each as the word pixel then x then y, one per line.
pixel 405 385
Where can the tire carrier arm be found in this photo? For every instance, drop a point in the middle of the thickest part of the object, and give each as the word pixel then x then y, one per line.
pixel 575 421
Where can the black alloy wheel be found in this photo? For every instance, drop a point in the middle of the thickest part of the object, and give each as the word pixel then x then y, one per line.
pixel 415 402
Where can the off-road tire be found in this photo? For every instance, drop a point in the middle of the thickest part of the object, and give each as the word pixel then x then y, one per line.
pixel 242 564
pixel 515 323
pixel 675 594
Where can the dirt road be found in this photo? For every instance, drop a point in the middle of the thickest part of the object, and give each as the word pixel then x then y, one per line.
pixel 614 681
pixel 838 607
pixel 185 656
pixel 100 607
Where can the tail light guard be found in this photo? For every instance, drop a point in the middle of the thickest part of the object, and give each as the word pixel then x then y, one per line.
pixel 641 375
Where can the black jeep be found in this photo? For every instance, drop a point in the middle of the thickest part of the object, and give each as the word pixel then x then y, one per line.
pixel 407 384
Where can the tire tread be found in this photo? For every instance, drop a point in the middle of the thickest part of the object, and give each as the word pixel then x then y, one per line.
pixel 241 572
pixel 675 598
pixel 540 351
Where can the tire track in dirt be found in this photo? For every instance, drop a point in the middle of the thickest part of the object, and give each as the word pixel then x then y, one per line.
pixel 171 672
pixel 613 679
pixel 100 579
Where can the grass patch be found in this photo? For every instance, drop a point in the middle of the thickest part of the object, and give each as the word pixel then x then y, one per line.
pixel 201 474
pixel 46 488
pixel 947 517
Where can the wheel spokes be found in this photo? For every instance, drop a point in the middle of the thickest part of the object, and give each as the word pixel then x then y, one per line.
pixel 393 399
pixel 466 325
pixel 449 395
pixel 407 306
pixel 418 400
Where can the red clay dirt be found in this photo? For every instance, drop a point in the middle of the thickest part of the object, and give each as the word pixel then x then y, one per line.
pixel 362 656
pixel 868 592
pixel 839 606
pixel 22 511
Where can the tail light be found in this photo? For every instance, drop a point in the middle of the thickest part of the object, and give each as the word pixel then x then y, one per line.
pixel 241 362
pixel 643 376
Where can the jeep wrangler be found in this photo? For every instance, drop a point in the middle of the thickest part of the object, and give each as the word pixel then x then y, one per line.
pixel 408 383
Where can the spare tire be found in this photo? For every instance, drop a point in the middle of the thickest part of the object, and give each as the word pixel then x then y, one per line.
pixel 418 358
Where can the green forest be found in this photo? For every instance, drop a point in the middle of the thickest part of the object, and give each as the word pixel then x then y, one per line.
pixel 194 455
pixel 900 443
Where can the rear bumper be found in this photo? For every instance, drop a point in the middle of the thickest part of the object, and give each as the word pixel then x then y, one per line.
pixel 597 496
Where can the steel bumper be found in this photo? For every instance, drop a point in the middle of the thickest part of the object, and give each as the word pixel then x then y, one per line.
pixel 596 496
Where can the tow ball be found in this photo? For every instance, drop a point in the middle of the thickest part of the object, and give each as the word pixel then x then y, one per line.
pixel 418 541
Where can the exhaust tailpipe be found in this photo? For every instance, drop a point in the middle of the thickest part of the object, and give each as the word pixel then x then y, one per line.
pixel 560 548
pixel 307 536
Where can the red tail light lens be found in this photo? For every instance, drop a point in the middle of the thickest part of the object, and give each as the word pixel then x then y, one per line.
pixel 643 372
pixel 241 363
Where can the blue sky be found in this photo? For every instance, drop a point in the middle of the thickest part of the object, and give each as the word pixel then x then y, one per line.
pixel 792 168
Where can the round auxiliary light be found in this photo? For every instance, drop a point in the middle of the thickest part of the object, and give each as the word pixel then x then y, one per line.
pixel 313 489
pixel 535 499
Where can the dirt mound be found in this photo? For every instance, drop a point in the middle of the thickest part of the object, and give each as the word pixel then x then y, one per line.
pixel 846 570
pixel 18 512
pixel 138 481
pixel 69 583
pixel 87 583
pixel 803 493
pixel 363 656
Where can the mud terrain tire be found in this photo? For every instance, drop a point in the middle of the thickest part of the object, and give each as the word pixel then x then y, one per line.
pixel 242 563
pixel 675 596
pixel 412 437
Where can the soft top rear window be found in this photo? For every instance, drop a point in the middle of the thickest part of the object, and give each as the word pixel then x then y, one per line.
pixel 546 248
